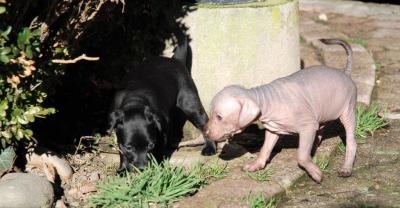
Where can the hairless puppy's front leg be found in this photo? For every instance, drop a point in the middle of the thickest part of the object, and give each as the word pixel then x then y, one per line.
pixel 265 152
pixel 306 142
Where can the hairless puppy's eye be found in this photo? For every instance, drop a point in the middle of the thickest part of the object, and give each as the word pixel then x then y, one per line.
pixel 219 117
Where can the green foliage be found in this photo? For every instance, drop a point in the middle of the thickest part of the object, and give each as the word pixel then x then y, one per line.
pixel 22 88
pixel 321 162
pixel 378 65
pixel 259 201
pixel 368 120
pixel 157 184
pixel 359 41
pixel 341 148
pixel 261 175
pixel 213 169
pixel 7 157
pixel 2 9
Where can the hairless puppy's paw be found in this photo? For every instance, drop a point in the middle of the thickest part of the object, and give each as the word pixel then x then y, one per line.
pixel 312 169
pixel 344 172
pixel 254 166
pixel 315 174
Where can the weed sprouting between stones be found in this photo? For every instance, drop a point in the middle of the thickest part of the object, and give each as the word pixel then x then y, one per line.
pixel 261 175
pixel 359 41
pixel 213 169
pixel 322 162
pixel 158 184
pixel 258 201
pixel 378 65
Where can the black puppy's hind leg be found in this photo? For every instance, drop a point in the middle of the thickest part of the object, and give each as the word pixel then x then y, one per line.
pixel 189 103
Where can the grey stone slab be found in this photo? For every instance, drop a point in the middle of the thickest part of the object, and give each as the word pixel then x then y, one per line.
pixel 349 8
pixel 312 37
pixel 386 33
pixel 309 56
pixel 380 44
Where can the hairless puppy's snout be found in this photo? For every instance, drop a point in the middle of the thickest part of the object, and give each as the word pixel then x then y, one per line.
pixel 231 111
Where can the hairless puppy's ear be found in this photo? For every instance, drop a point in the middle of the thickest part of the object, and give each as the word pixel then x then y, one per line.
pixel 114 118
pixel 248 113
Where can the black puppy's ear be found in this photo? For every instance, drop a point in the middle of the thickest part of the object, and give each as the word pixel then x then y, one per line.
pixel 114 118
pixel 152 117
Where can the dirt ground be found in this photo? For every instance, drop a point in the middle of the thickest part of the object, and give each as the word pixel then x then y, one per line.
pixel 375 181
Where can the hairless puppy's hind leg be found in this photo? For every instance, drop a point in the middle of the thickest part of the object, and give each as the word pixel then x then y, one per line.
pixel 349 122
pixel 306 142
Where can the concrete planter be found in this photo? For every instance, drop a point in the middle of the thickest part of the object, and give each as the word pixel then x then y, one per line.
pixel 248 44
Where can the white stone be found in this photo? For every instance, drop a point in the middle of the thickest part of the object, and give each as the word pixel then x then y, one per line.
pixel 323 17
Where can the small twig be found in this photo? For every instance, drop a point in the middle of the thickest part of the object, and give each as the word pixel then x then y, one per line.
pixel 193 142
pixel 80 141
pixel 72 61
pixel 108 152
pixel 96 10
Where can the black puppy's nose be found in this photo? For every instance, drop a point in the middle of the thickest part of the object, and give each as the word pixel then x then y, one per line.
pixel 141 165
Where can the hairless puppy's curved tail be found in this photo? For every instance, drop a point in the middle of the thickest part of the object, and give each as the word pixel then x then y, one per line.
pixel 349 52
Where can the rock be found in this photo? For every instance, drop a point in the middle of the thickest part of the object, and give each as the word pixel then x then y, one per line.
pixel 323 17
pixel 88 187
pixel 25 190
pixel 109 158
pixel 95 176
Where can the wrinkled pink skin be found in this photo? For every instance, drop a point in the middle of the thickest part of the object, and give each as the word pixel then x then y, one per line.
pixel 298 103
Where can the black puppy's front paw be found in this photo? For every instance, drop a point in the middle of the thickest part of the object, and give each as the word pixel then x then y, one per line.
pixel 209 149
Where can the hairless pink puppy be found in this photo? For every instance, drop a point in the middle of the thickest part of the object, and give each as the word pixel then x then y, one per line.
pixel 298 103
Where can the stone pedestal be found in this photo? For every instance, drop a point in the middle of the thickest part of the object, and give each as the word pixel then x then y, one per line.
pixel 248 44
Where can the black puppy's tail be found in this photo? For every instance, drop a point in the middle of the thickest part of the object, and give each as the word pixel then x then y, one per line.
pixel 180 52
pixel 349 52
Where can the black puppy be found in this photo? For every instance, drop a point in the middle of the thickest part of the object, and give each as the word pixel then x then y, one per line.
pixel 144 110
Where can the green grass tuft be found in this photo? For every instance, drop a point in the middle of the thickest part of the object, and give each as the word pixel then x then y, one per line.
pixel 342 147
pixel 368 120
pixel 378 65
pixel 259 201
pixel 302 40
pixel 359 41
pixel 261 175
pixel 213 169
pixel 157 184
